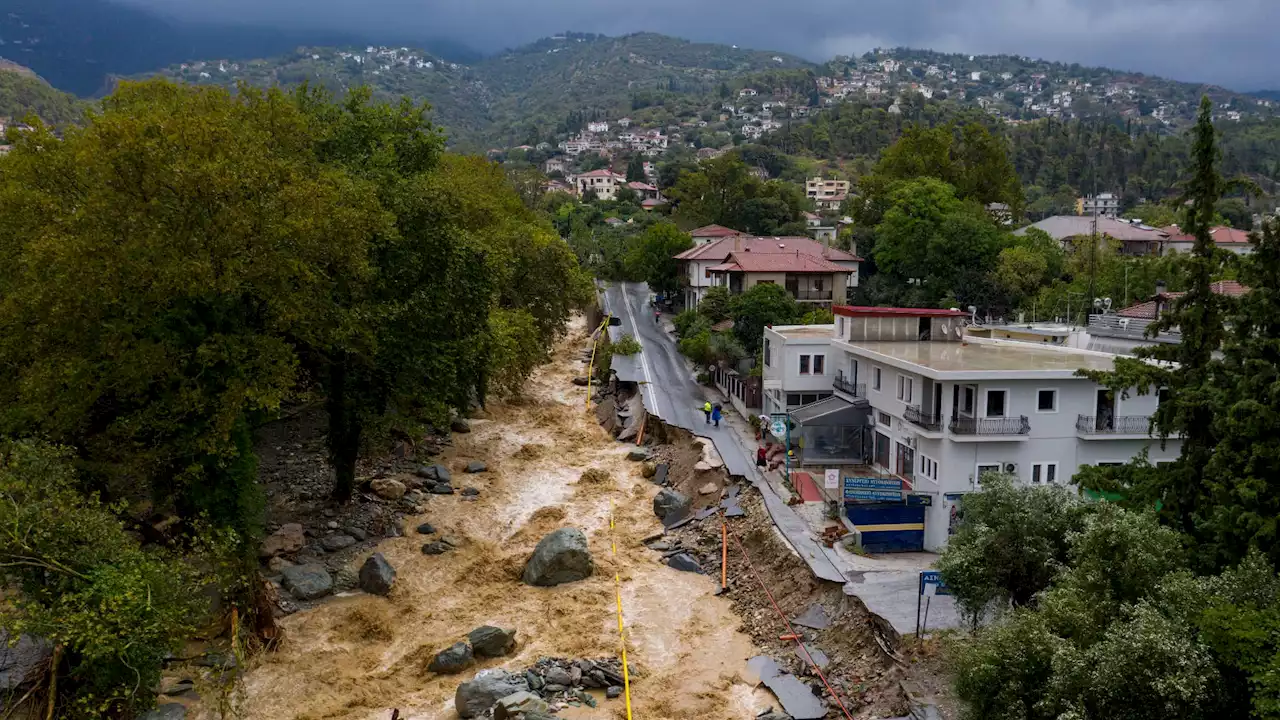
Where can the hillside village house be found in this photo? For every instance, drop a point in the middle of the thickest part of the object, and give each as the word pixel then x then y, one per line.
pixel 644 191
pixel 697 264
pixel 708 233
pixel 1104 204
pixel 919 412
pixel 554 165
pixel 604 183
pixel 820 189
pixel 1134 238
pixel 1229 239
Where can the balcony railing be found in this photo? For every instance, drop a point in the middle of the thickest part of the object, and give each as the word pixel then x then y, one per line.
pixel 928 421
pixel 802 294
pixel 844 385
pixel 990 426
pixel 1122 425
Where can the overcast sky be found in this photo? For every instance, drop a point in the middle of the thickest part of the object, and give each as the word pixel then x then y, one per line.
pixel 1228 42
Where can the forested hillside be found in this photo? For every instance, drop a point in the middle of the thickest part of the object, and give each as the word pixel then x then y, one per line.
pixel 1056 160
pixel 22 92
pixel 516 96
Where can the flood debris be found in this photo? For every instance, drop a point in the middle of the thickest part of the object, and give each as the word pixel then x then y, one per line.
pixel 796 697
pixel 376 575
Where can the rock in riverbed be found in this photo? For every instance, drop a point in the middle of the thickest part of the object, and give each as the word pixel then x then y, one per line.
pixel 475 466
pixel 560 557
pixel 490 641
pixel 307 582
pixel 289 539
pixel 387 489
pixel 452 659
pixel 336 542
pixel 475 698
pixel 376 575
pixel 669 503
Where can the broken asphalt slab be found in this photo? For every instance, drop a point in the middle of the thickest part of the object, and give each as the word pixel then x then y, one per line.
pixel 796 698
pixel 815 617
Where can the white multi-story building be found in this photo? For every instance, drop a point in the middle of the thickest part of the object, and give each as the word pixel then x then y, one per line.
pixel 795 371
pixel 920 411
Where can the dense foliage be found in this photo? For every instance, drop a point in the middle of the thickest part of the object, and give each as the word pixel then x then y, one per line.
pixel 724 191
pixel 189 261
pixel 112 609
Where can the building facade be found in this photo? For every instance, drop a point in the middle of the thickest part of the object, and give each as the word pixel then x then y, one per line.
pixel 818 188
pixel 947 408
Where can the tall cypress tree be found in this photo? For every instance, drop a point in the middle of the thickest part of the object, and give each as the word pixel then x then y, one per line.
pixel 1183 373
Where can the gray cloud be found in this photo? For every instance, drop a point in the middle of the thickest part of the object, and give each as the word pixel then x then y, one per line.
pixel 1228 42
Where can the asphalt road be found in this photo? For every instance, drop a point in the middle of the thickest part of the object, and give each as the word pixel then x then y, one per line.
pixel 887 586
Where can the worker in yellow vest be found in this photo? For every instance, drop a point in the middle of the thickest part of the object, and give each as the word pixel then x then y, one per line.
pixel 706 410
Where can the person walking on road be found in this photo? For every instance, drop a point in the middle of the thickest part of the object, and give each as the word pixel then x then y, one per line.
pixel 706 410
pixel 762 456
pixel 716 415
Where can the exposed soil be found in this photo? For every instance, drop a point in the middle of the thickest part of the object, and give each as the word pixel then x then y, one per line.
pixel 358 656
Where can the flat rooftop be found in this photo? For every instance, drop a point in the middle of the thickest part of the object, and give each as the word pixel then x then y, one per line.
pixel 805 331
pixel 949 360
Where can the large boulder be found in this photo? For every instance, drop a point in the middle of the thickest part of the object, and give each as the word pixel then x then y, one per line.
pixel 460 426
pixel 387 488
pixel 475 698
pixel 452 659
pixel 23 661
pixel 376 575
pixel 307 582
pixel 289 539
pixel 669 503
pixel 490 641
pixel 476 466
pixel 560 557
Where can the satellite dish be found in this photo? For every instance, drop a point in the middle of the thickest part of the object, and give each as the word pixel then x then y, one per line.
pixel 959 332
pixel 946 328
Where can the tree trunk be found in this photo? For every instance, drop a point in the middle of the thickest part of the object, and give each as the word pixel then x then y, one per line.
pixel 344 431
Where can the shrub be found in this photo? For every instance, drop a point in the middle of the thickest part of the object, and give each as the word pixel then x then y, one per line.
pixel 626 345
pixel 115 608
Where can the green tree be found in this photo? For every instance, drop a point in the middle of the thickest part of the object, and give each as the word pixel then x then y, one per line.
pixel 76 577
pixel 764 304
pixel 1189 403
pixel 652 256
pixel 635 168
pixel 716 304
pixel 1013 542
pixel 195 242
pixel 931 237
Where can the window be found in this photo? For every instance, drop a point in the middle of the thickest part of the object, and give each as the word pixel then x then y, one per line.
pixel 1162 397
pixel 929 467
pixel 985 469
pixel 840 328
pixel 1046 401
pixel 967 406
pixel 875 378
pixel 996 403
pixel 1044 473
pixel 819 364
pixel 904 388
pixel 885 419
pixel 767 353
pixel 804 364
pixel 793 399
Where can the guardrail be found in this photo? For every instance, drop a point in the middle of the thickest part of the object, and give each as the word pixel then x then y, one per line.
pixel 928 421
pixel 1122 425
pixel 990 426
pixel 842 384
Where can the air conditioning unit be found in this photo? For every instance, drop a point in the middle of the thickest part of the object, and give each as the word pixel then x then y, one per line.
pixel 1011 468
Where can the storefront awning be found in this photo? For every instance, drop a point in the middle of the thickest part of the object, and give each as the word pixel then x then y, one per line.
pixel 834 411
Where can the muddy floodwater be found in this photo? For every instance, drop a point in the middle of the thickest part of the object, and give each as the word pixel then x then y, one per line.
pixel 358 656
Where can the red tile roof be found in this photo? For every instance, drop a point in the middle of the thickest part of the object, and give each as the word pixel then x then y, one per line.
pixel 719 250
pixel 864 311
pixel 750 262
pixel 715 231
pixel 1222 235
pixel 603 172
pixel 641 186
pixel 1147 310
